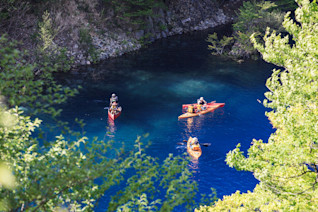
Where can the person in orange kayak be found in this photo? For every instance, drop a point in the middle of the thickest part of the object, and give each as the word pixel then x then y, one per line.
pixel 201 101
pixel 194 145
pixel 201 104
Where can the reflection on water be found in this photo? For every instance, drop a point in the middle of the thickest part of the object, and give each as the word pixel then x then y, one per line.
pixel 189 125
pixel 194 165
pixel 111 128
pixel 194 125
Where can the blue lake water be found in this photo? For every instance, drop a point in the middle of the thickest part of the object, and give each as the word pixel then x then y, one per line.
pixel 154 82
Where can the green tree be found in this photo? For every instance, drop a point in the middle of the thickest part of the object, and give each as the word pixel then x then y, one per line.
pixel 286 165
pixel 60 175
pixel 64 174
pixel 7 179
pixel 218 46
pixel 252 17
pixel 30 85
pixel 50 56
pixel 46 34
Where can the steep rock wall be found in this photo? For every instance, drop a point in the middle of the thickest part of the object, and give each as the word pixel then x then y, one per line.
pixel 181 16
pixel 91 31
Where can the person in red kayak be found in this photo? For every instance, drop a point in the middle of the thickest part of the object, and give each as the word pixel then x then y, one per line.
pixel 113 104
pixel 114 108
pixel 113 99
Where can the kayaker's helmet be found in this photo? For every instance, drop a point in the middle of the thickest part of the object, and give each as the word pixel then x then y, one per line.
pixel 201 98
pixel 113 95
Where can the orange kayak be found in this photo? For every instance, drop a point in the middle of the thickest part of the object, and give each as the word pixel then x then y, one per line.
pixel 210 108
pixel 194 153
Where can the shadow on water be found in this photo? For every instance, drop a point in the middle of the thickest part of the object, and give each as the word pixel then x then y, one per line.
pixel 154 82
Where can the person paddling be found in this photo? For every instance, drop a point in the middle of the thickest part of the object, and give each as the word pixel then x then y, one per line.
pixel 201 104
pixel 113 99
pixel 114 108
pixel 194 145
pixel 201 101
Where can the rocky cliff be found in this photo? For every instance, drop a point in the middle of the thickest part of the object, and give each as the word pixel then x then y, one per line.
pixel 91 31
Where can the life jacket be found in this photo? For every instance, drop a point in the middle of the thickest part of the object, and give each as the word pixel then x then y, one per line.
pixel 199 107
pixel 114 105
pixel 196 147
pixel 190 109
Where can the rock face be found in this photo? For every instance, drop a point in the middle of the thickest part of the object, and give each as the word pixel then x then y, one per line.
pixel 91 32
pixel 181 16
pixel 190 15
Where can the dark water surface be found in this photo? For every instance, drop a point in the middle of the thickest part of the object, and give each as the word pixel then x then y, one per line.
pixel 154 82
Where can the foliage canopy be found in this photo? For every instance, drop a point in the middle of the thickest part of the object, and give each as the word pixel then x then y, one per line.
pixel 73 174
pixel 30 85
pixel 286 165
pixel 252 17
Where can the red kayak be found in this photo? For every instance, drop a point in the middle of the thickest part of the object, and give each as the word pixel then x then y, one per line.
pixel 116 115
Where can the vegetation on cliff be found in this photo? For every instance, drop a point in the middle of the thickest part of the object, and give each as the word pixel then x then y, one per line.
pixel 252 18
pixel 286 165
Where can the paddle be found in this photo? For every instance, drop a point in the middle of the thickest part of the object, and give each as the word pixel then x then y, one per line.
pixel 203 144
pixel 206 144
pixel 106 108
pixel 180 143
pixel 211 102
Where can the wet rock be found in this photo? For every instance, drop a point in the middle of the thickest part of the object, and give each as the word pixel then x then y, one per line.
pixel 177 30
pixel 163 34
pixel 184 21
pixel 139 34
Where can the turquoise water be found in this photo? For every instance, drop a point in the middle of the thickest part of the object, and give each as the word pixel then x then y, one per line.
pixel 154 82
